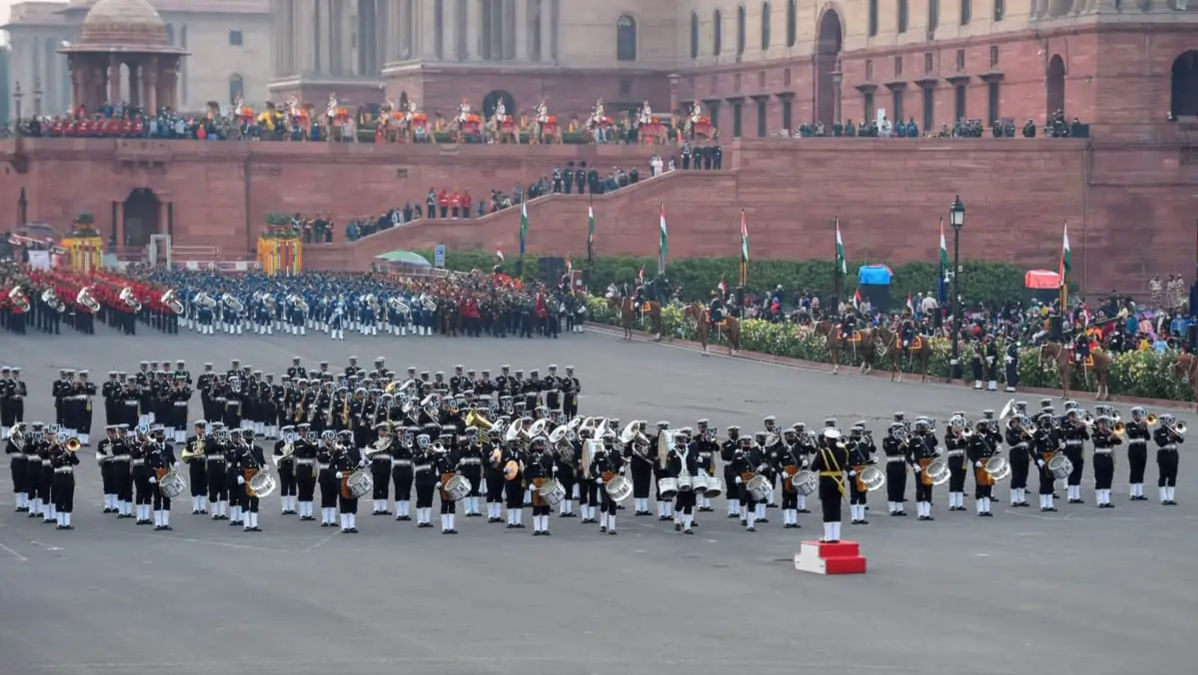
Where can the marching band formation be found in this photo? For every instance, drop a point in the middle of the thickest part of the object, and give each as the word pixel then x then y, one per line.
pixel 515 442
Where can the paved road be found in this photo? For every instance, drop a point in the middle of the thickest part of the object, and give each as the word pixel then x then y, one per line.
pixel 1081 591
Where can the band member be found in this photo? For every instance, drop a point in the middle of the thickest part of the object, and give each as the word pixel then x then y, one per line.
pixel 215 463
pixel 641 459
pixel 401 472
pixel 139 448
pixel 830 461
pixel 494 476
pixel 251 460
pixel 728 452
pixel 980 448
pixel 683 461
pixel 1011 364
pixel 571 387
pixel 923 453
pixel 1167 437
pixel 747 463
pixel 286 468
pixel 195 453
pixel 1138 436
pixel 425 480
pixel 1045 444
pixel 14 446
pixel 897 449
pixel 120 458
pixel 513 476
pixel 955 442
pixel 861 455
pixel 160 458
pixel 234 477
pixel 63 463
pixel 588 487
pixel 1076 434
pixel 305 471
pixel 445 467
pixel 380 468
pixel 537 470
pixel 1105 440
pixel 706 448
pixel 327 479
pixel 346 460
pixel 607 463
pixel 1019 439
pixel 470 463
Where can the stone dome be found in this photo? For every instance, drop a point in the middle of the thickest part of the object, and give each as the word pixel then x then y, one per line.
pixel 128 24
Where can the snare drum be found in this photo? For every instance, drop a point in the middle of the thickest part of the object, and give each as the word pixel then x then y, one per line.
pixel 805 482
pixel 998 467
pixel 171 485
pixel 685 483
pixel 714 488
pixel 667 488
pixel 759 488
pixel 457 488
pixel 618 488
pixel 552 492
pixel 699 481
pixel 1060 467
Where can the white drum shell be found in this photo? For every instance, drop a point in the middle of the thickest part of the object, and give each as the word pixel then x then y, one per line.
pixel 457 488
pixel 552 492
pixel 172 485
pixel 618 488
pixel 759 488
pixel 359 483
pixel 1060 467
pixel 805 482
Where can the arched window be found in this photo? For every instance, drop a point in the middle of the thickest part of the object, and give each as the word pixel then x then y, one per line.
pixel 792 22
pixel 694 35
pixel 236 87
pixel 626 38
pixel 740 30
pixel 1185 85
pixel 765 26
pixel 717 32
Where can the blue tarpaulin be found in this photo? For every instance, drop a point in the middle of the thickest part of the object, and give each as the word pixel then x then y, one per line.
pixel 875 275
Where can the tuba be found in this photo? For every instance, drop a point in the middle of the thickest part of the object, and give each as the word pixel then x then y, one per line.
pixel 50 297
pixel 474 419
pixel 84 299
pixel 171 300
pixel 204 300
pixel 18 298
pixel 130 299
pixel 231 303
pixel 398 306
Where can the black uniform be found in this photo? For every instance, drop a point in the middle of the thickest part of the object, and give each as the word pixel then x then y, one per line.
pixel 830 461
pixel 63 463
pixel 1137 453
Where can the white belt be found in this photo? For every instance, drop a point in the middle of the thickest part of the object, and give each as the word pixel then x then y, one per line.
pixel 471 461
pixel 895 459
pixel 215 459
pixel 306 462
pixel 181 404
pixel 322 467
pixel 1102 451
pixel 46 462
pixel 64 469
pixel 401 462
pixel 1168 447
pixel 1139 442
pixel 139 462
pixel 120 458
pixel 423 467
pixel 1073 442
pixel 956 453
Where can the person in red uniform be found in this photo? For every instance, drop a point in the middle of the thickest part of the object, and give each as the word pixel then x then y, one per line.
pixel 455 204
pixel 443 202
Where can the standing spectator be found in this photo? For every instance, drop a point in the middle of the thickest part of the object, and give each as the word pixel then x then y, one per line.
pixel 443 202
pixel 430 201
pixel 455 204
pixel 466 203
pixel 1156 291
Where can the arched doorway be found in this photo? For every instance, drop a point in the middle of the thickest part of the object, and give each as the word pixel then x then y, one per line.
pixel 492 100
pixel 1185 85
pixel 141 217
pixel 1055 87
pixel 403 100
pixel 827 55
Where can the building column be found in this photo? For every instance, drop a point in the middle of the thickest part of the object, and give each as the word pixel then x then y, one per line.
pixel 120 223
pixel 449 24
pixel 535 27
pixel 474 22
pixel 673 78
pixel 150 85
pixel 522 41
pixel 114 80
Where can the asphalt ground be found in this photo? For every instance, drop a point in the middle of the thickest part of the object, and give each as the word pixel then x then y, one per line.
pixel 1082 591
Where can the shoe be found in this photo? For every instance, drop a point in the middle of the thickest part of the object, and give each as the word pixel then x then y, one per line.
pixel 567 515
pixel 612 532
pixel 353 530
pixel 804 511
pixel 403 517
pixel 602 529
pixel 863 522
pixel 763 520
pixel 688 531
pixel 677 527
pixel 473 515
pixel 157 528
pixel 663 518
pixel 545 533
pixel 1076 501
pixel 324 524
pixel 168 528
pixel 750 529
pixel 733 515
pixel 204 512
pixel 61 527
pixel 519 526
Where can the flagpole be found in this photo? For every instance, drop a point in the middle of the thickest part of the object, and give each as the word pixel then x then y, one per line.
pixel 590 239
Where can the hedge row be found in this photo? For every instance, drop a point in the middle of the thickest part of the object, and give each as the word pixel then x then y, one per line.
pixel 1139 374
pixel 981 280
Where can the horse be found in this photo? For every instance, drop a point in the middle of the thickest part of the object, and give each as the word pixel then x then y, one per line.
pixel 919 354
pixel 1101 366
pixel 1185 368
pixel 730 326
pixel 833 339
pixel 625 306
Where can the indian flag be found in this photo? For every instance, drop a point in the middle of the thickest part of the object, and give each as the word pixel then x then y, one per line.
pixel 590 233
pixel 744 249
pixel 841 265
pixel 523 225
pixel 1066 262
pixel 663 244
pixel 942 286
pixel 499 255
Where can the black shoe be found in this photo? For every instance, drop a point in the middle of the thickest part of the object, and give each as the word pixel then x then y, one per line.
pixel 519 526
pixel 677 527
pixel 733 515
pixel 403 517
pixel 804 511
pixel 664 518
pixel 602 529
pixel 61 527
pixel 511 526
pixel 494 520
pixel 203 512
pixel 168 528
pixel 688 531
pixel 750 529
pixel 567 515
pixel 474 515
pixel 863 522
pixel 544 534
pixel 763 520
pixel 612 532
pixel 353 530
pixel 324 524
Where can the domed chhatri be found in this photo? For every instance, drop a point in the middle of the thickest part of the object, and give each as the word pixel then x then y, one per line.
pixel 129 35
pixel 126 23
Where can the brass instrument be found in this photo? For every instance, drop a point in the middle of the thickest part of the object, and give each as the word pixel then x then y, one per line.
pixel 50 297
pixel 204 300
pixel 84 298
pixel 171 300
pixel 474 419
pixel 130 299
pixel 345 413
pixel 1151 420
pixel 1119 429
pixel 72 444
pixel 196 450
pixel 18 299
pixel 232 303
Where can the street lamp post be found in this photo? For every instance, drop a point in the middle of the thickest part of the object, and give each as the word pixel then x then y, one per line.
pixel 956 217
pixel 16 97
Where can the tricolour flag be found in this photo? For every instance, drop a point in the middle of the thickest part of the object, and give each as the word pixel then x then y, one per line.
pixel 663 245
pixel 942 283
pixel 590 234
pixel 910 305
pixel 857 298
pixel 641 275
pixel 744 249
pixel 523 226
pixel 723 287
pixel 841 264
pixel 499 255
pixel 1066 262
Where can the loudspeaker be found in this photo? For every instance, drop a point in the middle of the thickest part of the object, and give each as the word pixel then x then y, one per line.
pixel 550 270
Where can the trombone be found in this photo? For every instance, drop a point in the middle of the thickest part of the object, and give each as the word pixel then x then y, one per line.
pixel 72 444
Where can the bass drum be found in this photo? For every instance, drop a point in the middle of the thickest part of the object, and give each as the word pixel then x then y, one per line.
pixel 618 488
pixel 759 488
pixel 457 488
pixel 552 492
pixel 667 488
pixel 805 482
pixel 1060 467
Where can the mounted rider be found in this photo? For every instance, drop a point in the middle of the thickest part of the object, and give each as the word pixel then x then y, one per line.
pixel 907 331
pixel 848 323
pixel 715 309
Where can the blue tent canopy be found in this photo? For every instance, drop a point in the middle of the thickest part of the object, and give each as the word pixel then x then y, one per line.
pixel 875 275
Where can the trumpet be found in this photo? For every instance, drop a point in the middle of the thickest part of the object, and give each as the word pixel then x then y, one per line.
pixel 1151 420
pixel 72 444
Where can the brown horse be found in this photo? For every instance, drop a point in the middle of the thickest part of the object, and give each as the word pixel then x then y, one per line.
pixel 627 311
pixel 1186 370
pixel 730 327
pixel 832 340
pixel 919 354
pixel 1101 366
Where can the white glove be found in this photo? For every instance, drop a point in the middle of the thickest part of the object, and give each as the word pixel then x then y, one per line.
pixel 1040 463
pixel 1008 359
pixel 362 463
pixel 177 465
pixel 916 468
pixel 338 475
pixel 438 485
pixel 738 480
pixel 555 469
pixel 241 480
pixel 852 473
pixel 153 480
pixel 621 471
pixel 978 464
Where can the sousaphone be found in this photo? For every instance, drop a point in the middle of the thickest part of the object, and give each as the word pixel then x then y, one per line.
pixel 560 438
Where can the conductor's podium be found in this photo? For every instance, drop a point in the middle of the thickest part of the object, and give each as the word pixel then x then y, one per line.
pixel 843 557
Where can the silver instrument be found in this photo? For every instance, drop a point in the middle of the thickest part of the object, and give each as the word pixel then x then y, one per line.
pixel 805 482
pixel 84 298
pixel 18 299
pixel 1060 467
pixel 232 303
pixel 998 467
pixel 938 471
pixel 130 299
pixel 263 483
pixel 172 485
pixel 359 483
pixel 171 299
pixel 204 300
pixel 50 297
pixel 872 478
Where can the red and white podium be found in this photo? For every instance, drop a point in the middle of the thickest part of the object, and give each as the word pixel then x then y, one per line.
pixel 843 557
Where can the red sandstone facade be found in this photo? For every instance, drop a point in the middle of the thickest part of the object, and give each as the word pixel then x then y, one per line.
pixel 1131 205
